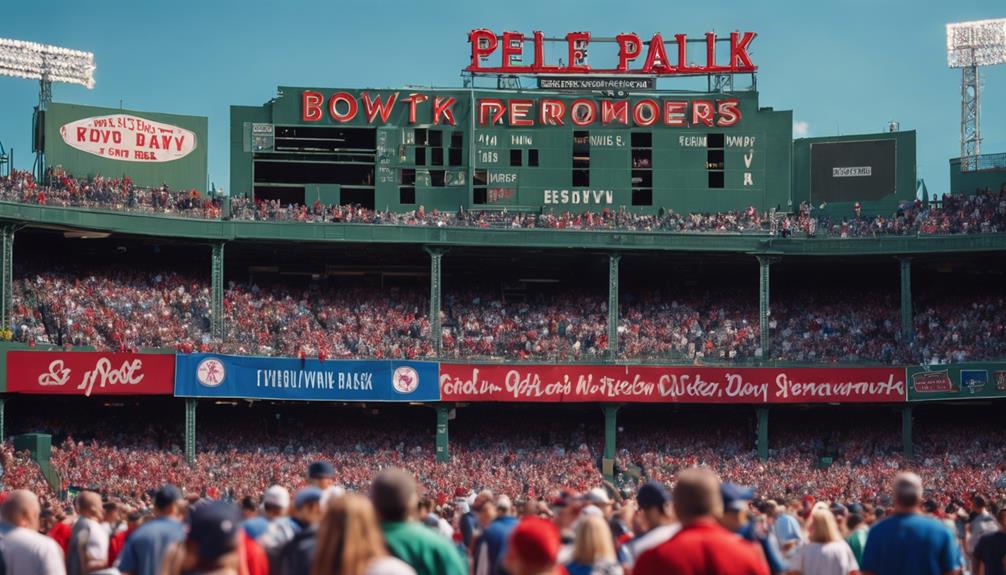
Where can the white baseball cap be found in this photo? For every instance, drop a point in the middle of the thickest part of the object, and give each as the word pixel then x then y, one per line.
pixel 278 496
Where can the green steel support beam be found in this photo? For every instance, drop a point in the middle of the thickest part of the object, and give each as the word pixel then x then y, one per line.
pixel 6 298
pixel 190 431
pixel 217 288
pixel 610 436
pixel 436 333
pixel 764 265
pixel 906 299
pixel 3 419
pixel 443 439
pixel 763 433
pixel 907 446
pixel 613 260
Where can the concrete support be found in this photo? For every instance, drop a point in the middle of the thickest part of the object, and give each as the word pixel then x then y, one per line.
pixel 613 260
pixel 443 440
pixel 907 446
pixel 436 333
pixel 217 291
pixel 190 431
pixel 610 437
pixel 907 331
pixel 763 433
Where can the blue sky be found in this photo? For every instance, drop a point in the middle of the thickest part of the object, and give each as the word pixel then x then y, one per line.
pixel 841 66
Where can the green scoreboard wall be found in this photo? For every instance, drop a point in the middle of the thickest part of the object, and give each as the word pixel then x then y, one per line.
pixel 151 148
pixel 524 149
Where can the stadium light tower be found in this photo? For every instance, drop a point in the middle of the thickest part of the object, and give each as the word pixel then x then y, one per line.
pixel 47 64
pixel 970 45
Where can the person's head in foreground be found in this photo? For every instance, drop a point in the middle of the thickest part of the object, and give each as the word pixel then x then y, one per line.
pixel 394 495
pixel 697 496
pixel 212 542
pixel 349 538
pixel 533 548
pixel 907 493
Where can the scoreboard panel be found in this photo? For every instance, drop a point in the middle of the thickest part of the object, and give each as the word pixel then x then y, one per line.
pixel 522 149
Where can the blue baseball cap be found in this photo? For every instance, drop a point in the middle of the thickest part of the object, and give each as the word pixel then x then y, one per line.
pixel 653 494
pixel 214 527
pixel 735 497
pixel 320 470
pixel 306 495
pixel 166 495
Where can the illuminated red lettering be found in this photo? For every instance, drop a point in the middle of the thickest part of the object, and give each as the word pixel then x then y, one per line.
pixel 491 106
pixel 583 111
pixel 645 113
pixel 656 57
pixel 615 111
pixel 674 113
pixel 513 45
pixel 682 41
pixel 551 112
pixel 442 107
pixel 375 107
pixel 702 112
pixel 311 106
pixel 351 107
pixel 519 110
pixel 739 59
pixel 729 112
pixel 483 44
pixel 414 100
pixel 629 47
pixel 577 45
pixel 710 51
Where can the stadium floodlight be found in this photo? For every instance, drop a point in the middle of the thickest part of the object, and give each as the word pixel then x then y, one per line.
pixel 35 61
pixel 47 64
pixel 970 45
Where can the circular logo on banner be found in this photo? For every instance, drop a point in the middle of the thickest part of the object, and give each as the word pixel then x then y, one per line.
pixel 405 379
pixel 210 372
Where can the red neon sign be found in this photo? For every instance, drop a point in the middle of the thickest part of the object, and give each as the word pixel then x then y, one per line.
pixel 658 57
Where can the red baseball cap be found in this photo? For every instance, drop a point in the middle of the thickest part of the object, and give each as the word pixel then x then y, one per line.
pixel 535 541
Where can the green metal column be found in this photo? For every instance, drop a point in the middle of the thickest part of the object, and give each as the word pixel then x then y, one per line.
pixel 3 419
pixel 190 431
pixel 764 263
pixel 613 260
pixel 906 299
pixel 7 281
pixel 907 446
pixel 443 441
pixel 763 433
pixel 436 334
pixel 610 436
pixel 217 289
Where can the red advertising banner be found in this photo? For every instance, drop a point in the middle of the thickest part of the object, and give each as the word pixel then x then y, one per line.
pixel 89 373
pixel 645 384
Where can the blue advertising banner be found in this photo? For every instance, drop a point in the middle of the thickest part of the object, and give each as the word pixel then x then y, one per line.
pixel 214 375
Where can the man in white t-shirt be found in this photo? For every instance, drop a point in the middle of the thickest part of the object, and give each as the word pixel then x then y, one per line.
pixel 88 548
pixel 24 549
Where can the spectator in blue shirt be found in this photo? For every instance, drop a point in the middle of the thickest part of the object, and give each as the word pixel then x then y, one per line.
pixel 909 543
pixel 144 550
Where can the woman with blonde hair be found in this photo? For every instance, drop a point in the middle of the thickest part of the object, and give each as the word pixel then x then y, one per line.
pixel 350 541
pixel 826 553
pixel 593 548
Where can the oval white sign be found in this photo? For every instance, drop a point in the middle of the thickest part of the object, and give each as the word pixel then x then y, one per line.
pixel 128 138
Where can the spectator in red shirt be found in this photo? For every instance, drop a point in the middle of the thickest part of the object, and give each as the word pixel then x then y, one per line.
pixel 702 547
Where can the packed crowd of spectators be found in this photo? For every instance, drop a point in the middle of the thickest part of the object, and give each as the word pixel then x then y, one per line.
pixel 981 212
pixel 129 309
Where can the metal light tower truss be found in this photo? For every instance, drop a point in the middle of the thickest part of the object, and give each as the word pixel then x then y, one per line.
pixel 970 45
pixel 47 64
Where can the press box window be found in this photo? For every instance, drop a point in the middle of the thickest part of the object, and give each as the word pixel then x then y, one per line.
pixel 515 157
pixel 714 141
pixel 437 178
pixel 435 138
pixel 715 179
pixel 454 156
pixel 642 197
pixel 480 177
pixel 436 156
pixel 532 157
pixel 408 177
pixel 406 195
pixel 479 195
pixel 714 160
pixel 457 139
pixel 420 136
pixel 420 156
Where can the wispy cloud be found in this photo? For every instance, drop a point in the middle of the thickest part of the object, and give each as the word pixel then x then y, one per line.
pixel 800 129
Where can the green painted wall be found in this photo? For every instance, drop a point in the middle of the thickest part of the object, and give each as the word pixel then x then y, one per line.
pixel 187 172
pixel 957 381
pixel 905 173
pixel 968 182
pixel 757 153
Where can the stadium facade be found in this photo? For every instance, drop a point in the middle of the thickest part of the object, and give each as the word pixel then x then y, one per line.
pixel 639 150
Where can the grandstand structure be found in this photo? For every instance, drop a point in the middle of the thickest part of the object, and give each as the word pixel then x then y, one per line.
pixel 595 147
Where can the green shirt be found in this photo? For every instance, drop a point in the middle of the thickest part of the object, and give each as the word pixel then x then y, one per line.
pixel 857 541
pixel 427 552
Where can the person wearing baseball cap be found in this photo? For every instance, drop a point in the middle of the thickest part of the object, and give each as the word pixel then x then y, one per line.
pixel 297 554
pixel 737 518
pixel 281 528
pixel 321 474
pixel 211 546
pixel 656 521
pixel 908 541
pixel 144 550
pixel 533 548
